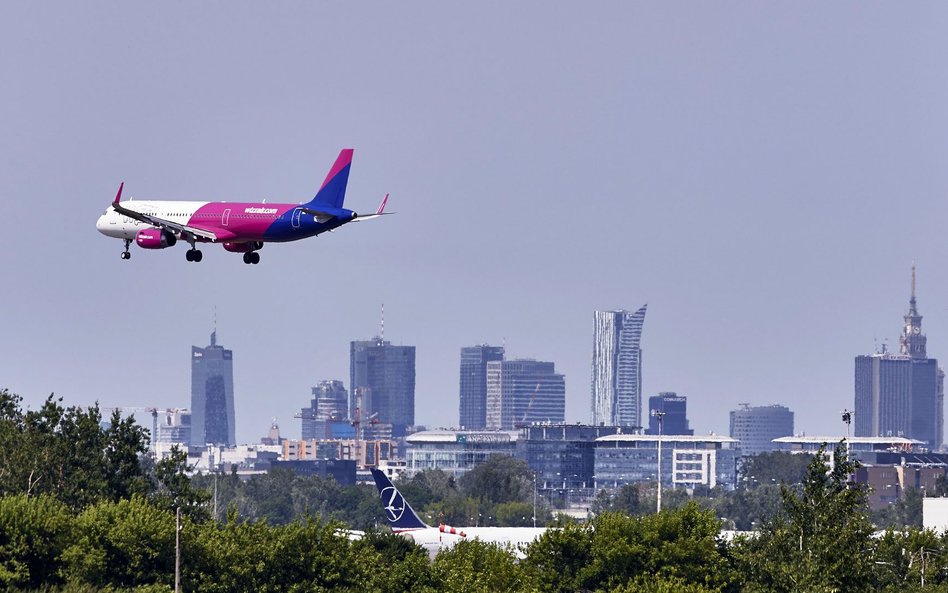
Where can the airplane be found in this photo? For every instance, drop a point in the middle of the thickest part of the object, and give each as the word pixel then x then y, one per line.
pixel 241 227
pixel 405 522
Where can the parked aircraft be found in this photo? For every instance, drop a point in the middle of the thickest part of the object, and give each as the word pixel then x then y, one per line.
pixel 404 521
pixel 241 227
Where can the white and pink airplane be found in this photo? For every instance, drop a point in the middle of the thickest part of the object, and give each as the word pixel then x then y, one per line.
pixel 241 227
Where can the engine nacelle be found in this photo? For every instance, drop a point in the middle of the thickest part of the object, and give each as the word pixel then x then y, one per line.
pixel 243 247
pixel 155 238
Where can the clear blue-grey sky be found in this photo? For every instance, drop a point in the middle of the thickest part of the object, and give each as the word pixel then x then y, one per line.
pixel 762 175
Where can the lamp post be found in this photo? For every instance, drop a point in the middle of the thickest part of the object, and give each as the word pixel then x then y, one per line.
pixel 847 417
pixel 660 415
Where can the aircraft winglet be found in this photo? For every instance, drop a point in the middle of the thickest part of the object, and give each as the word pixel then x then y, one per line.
pixel 381 209
pixel 118 196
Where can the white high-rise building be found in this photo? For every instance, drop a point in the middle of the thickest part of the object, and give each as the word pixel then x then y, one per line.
pixel 617 368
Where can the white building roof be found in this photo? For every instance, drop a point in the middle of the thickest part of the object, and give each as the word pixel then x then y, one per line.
pixel 444 435
pixel 819 440
pixel 669 438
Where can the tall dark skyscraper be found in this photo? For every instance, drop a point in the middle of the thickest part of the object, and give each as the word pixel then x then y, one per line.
pixel 473 384
pixel 617 368
pixel 675 420
pixel 524 392
pixel 212 395
pixel 384 377
pixel 901 394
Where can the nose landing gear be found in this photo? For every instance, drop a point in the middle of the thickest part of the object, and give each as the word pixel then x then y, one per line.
pixel 126 254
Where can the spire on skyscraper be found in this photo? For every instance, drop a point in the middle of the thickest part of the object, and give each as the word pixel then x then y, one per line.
pixel 912 342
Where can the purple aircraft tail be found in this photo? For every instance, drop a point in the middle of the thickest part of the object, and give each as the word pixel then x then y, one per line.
pixel 332 193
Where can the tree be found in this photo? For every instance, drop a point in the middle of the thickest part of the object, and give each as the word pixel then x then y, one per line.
pixel 818 540
pixel 774 468
pixel 174 487
pixel 125 445
pixel 122 544
pixel 475 566
pixel 905 512
pixel 501 478
pixel 34 532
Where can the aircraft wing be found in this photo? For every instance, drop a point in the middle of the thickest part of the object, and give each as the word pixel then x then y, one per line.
pixel 162 223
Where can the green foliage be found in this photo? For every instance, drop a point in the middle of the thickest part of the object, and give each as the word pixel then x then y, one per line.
pixel 773 468
pixel 905 512
pixel 475 566
pixel 175 489
pixel 64 452
pixel 300 556
pixel 516 514
pixel 500 479
pixel 905 557
pixel 122 544
pixel 617 548
pixel 662 585
pixel 34 532
pixel 745 509
pixel 818 541
pixel 556 558
pixel 281 497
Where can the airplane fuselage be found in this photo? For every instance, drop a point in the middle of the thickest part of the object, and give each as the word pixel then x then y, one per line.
pixel 232 222
pixel 435 539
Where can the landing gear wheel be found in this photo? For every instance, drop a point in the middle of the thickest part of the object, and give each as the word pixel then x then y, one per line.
pixel 254 257
pixel 194 255
pixel 247 259
pixel 198 255
pixel 189 255
pixel 126 254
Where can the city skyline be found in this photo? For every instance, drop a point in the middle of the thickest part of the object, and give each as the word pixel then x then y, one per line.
pixel 744 169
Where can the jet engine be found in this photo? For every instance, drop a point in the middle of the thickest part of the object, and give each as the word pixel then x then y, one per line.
pixel 243 247
pixel 155 238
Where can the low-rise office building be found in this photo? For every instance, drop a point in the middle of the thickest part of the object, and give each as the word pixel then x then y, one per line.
pixel 456 451
pixel 686 461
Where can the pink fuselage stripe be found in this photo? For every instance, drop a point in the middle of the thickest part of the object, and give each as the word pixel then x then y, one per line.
pixel 245 221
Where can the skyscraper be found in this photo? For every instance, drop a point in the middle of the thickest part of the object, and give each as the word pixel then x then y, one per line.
pixel 523 392
pixel 901 394
pixel 675 418
pixel 757 426
pixel 383 376
pixel 473 384
pixel 330 403
pixel 212 395
pixel 617 368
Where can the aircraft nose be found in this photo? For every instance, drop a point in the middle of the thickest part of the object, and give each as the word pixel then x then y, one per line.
pixel 100 224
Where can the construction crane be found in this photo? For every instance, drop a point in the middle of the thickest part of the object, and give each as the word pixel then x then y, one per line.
pixel 523 421
pixel 357 422
pixel 153 411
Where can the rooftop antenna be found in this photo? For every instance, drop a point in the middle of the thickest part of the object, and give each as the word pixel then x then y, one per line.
pixel 214 333
pixel 382 340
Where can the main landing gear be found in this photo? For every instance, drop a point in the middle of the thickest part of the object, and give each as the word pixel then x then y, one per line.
pixel 251 257
pixel 193 254
pixel 126 254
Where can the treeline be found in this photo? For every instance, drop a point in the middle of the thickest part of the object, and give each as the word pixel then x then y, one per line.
pixel 84 509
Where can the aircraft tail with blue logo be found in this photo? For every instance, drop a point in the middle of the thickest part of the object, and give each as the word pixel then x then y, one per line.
pixel 399 513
